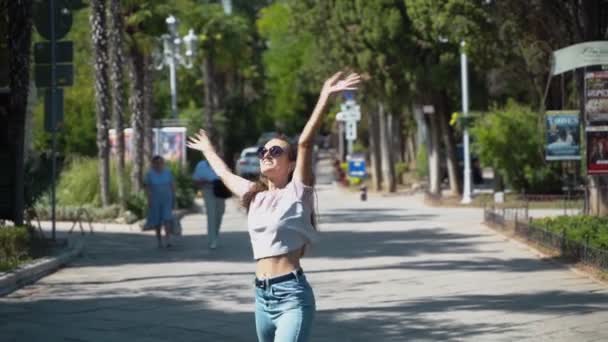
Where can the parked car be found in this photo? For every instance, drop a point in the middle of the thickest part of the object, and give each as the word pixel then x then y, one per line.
pixel 248 164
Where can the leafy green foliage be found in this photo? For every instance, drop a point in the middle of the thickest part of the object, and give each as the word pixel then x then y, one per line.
pixel 290 54
pixel 509 140
pixel 591 229
pixel 422 162
pixel 137 204
pixel 14 247
pixel 78 133
pixel 72 213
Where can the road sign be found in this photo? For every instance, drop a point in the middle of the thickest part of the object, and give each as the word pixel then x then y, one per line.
pixel 349 111
pixel 62 14
pixel 52 124
pixel 64 52
pixel 356 166
pixel 64 74
pixel 351 130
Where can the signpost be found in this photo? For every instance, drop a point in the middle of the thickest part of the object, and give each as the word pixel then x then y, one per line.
pixel 53 68
pixel 350 114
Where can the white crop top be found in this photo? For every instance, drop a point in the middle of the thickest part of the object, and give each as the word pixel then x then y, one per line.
pixel 280 221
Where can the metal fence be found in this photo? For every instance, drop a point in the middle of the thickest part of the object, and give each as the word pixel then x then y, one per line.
pixel 516 219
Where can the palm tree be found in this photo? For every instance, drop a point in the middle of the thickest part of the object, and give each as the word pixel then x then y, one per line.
pixel 136 101
pixel 117 58
pixel 102 93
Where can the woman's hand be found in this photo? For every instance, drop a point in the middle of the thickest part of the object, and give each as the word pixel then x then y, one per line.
pixel 337 83
pixel 200 142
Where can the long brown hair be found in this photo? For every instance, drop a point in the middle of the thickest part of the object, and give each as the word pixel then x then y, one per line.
pixel 261 184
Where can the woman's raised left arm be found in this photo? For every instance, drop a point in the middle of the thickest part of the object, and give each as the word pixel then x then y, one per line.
pixel 334 84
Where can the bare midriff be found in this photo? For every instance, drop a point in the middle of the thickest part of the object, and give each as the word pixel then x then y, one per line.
pixel 278 265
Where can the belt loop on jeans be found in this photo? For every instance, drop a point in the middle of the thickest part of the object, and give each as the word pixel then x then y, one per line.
pixel 295 274
pixel 266 283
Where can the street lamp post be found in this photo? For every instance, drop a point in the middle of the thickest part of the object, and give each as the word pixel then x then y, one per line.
pixel 172 56
pixel 466 195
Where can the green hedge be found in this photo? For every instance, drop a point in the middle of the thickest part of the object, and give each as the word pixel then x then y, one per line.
pixel 591 229
pixel 78 186
pixel 14 247
pixel 70 213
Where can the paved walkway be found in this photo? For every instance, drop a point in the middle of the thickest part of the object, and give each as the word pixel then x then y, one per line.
pixel 389 269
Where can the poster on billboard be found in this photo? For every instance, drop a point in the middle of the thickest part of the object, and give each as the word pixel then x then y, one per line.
pixel 597 150
pixel 596 97
pixel 171 144
pixel 563 135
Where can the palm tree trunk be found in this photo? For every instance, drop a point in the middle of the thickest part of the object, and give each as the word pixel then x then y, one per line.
pixel 19 46
pixel 118 92
pixel 102 94
pixel 148 110
pixel 136 102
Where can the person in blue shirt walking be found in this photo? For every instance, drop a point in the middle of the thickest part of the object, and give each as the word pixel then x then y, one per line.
pixel 204 176
pixel 160 190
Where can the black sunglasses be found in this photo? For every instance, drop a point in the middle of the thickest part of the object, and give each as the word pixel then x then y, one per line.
pixel 275 151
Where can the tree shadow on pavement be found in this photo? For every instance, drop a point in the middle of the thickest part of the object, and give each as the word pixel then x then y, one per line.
pixel 189 314
pixel 106 249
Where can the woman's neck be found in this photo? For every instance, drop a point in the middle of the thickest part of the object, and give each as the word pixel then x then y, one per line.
pixel 277 184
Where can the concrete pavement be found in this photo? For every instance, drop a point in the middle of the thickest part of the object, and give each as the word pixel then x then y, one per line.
pixel 390 269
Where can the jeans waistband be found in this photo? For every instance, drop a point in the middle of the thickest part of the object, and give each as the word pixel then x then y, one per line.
pixel 265 283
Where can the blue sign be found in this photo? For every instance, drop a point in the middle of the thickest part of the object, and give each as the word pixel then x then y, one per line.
pixel 356 166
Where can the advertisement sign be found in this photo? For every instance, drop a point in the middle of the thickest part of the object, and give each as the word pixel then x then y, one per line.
pixel 169 142
pixel 596 97
pixel 563 135
pixel 597 150
pixel 579 56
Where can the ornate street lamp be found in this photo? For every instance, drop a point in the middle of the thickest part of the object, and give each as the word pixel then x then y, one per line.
pixel 176 51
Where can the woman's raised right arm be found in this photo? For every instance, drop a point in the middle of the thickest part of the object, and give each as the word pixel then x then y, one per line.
pixel 238 185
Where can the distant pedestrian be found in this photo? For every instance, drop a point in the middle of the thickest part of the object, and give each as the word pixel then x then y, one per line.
pixel 281 222
pixel 160 191
pixel 204 177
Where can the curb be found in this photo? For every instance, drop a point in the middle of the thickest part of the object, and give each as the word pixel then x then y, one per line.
pixel 32 272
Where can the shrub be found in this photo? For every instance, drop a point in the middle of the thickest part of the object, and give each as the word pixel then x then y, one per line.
pixel 79 183
pixel 581 228
pixel 70 213
pixel 509 140
pixel 137 204
pixel 14 246
pixel 184 187
pixel 354 180
pixel 401 168
pixel 422 162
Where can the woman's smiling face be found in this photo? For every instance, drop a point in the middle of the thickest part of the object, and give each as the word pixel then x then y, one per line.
pixel 275 166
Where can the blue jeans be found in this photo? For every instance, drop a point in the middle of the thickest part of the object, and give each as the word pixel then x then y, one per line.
pixel 284 311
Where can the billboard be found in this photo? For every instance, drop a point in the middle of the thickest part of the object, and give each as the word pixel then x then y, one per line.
pixel 169 142
pixel 596 97
pixel 597 150
pixel 563 135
